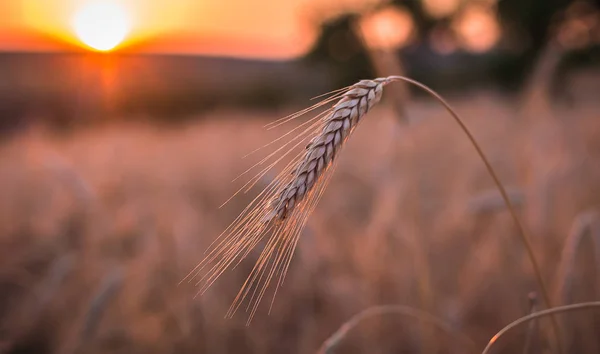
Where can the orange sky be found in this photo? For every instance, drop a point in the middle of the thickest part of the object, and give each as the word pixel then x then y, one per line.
pixel 251 28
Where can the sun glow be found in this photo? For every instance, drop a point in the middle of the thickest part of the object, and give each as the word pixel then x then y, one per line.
pixel 101 25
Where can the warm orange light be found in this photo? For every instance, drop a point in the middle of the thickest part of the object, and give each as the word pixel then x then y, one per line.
pixel 387 29
pixel 102 25
pixel 477 28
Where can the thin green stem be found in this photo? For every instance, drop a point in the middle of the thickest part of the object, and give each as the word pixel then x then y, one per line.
pixel 522 232
pixel 548 312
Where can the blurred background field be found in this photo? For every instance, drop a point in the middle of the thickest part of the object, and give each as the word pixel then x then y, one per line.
pixel 117 149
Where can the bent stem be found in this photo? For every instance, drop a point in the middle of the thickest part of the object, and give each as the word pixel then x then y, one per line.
pixel 329 344
pixel 521 230
pixel 548 312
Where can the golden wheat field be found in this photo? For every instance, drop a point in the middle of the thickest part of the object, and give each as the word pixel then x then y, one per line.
pixel 99 225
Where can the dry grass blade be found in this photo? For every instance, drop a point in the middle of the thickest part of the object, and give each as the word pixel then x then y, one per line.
pixel 106 292
pixel 108 289
pixel 548 312
pixel 329 344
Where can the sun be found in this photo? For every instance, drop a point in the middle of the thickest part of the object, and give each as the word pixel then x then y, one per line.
pixel 101 25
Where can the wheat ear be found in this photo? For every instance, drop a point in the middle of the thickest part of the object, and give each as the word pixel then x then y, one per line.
pixel 323 148
pixel 279 213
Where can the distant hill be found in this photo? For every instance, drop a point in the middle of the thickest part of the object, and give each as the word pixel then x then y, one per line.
pixel 69 86
pixel 211 45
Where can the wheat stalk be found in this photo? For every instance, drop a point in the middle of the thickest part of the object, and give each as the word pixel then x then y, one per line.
pixel 532 325
pixel 583 226
pixel 279 213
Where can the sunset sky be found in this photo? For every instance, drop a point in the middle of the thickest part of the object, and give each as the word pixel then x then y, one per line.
pixel 259 28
